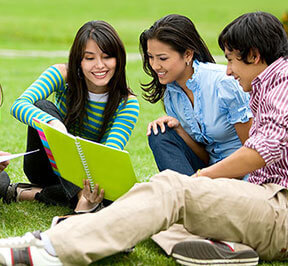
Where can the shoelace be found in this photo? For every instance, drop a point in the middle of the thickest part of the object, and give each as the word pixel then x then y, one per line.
pixel 16 242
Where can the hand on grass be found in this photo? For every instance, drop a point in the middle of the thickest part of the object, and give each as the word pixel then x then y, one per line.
pixel 3 165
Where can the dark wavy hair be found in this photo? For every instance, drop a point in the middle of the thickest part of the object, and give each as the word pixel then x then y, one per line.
pixel 77 95
pixel 178 32
pixel 257 30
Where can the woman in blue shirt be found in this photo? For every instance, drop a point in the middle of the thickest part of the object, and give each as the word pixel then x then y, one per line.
pixel 208 115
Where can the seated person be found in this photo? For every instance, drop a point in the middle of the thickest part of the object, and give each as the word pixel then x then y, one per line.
pixel 92 100
pixel 208 115
pixel 214 203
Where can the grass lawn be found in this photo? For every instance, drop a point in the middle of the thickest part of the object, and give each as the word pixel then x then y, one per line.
pixel 38 24
pixel 51 25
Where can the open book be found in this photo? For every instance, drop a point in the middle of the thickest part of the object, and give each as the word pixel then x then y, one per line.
pixel 74 159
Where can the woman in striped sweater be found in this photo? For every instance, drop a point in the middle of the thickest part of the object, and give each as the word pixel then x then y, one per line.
pixel 92 100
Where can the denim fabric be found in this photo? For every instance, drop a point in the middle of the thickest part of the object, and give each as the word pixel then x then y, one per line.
pixel 171 152
pixel 219 103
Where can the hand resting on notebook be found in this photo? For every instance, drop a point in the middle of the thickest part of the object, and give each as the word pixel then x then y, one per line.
pixel 89 200
pixel 58 125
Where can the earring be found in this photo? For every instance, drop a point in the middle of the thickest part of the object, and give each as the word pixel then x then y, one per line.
pixel 187 63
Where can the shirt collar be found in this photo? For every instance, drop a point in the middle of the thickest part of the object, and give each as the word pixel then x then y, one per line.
pixel 98 97
pixel 174 86
pixel 266 74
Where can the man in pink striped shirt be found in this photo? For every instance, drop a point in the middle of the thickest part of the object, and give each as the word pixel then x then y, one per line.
pixel 214 203
pixel 259 63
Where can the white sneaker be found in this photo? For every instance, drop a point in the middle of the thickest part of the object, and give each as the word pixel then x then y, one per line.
pixel 26 250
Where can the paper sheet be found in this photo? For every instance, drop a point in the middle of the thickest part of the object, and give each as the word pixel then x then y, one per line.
pixel 12 156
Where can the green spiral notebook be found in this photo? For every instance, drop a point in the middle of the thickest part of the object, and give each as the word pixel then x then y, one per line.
pixel 74 159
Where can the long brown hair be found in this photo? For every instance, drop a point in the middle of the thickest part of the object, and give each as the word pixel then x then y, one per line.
pixel 180 33
pixel 77 95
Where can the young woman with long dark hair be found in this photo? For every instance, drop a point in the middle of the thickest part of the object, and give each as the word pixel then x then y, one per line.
pixel 92 100
pixel 208 116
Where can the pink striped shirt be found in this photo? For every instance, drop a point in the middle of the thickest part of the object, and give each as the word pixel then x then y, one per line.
pixel 269 131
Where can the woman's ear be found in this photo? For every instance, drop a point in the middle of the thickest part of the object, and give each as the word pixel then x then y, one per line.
pixel 188 55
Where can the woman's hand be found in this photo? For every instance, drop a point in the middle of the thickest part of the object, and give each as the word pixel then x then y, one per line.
pixel 89 200
pixel 58 125
pixel 169 120
pixel 3 165
pixel 92 196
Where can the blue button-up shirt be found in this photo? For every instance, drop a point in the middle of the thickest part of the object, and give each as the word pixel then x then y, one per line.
pixel 219 103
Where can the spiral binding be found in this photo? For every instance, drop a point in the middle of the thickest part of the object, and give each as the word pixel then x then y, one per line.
pixel 84 163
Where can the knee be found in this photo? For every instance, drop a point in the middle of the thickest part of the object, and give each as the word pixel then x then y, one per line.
pixel 169 178
pixel 152 140
pixel 156 141
pixel 166 180
pixel 44 105
pixel 49 108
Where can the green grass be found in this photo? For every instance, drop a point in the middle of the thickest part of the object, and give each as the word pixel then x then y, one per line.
pixel 38 24
pixel 18 218
pixel 51 25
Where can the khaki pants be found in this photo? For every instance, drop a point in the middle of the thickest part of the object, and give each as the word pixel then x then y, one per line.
pixel 175 234
pixel 223 209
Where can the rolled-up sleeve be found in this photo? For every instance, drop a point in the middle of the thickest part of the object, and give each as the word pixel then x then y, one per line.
pixel 24 109
pixel 233 101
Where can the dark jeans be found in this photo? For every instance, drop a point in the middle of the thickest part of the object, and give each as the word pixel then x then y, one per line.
pixel 38 170
pixel 171 152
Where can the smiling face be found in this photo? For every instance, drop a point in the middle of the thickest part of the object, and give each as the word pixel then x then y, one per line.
pixel 98 68
pixel 169 64
pixel 244 73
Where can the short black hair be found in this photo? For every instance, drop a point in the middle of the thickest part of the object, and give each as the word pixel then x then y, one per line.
pixel 257 30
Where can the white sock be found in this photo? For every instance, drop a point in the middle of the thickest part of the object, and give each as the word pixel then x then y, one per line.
pixel 47 244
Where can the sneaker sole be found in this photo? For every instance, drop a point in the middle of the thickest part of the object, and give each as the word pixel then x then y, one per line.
pixel 216 262
pixel 203 253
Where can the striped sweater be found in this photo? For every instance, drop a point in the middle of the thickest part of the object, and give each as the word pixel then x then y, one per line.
pixel 51 81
